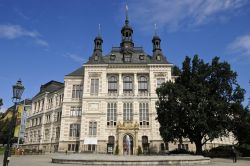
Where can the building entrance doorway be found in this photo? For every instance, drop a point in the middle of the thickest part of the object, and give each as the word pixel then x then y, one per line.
pixel 128 144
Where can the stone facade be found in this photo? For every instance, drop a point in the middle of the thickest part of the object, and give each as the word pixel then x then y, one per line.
pixel 107 105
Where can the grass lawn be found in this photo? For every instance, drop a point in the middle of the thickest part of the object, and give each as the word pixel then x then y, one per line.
pixel 1 150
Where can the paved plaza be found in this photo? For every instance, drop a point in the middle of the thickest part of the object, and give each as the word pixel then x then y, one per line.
pixel 45 160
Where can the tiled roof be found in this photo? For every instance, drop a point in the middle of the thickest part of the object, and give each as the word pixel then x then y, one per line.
pixel 77 72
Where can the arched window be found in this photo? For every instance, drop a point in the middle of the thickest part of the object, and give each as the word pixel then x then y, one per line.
pixel 127 84
pixel 112 84
pixel 144 139
pixel 111 139
pixel 126 34
pixel 142 84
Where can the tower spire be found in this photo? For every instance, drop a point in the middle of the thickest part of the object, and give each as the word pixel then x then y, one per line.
pixel 99 29
pixel 155 30
pixel 126 21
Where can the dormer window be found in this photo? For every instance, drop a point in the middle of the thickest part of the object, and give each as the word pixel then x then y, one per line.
pixel 141 57
pixel 112 57
pixel 158 57
pixel 127 58
pixel 96 58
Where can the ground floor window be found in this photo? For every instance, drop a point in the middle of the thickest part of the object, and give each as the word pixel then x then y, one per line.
pixel 73 147
pixel 183 146
pixel 164 146
pixel 91 147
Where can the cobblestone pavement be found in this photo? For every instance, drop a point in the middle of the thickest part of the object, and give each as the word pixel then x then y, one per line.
pixel 45 160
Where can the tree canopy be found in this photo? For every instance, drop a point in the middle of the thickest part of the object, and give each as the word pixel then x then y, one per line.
pixel 1 102
pixel 202 103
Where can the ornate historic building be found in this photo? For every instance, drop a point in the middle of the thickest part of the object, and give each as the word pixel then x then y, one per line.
pixel 107 105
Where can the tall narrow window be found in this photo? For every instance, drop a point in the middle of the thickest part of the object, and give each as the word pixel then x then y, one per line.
pixel 46 133
pixel 75 111
pixel 94 86
pixel 127 112
pixel 127 84
pixel 142 84
pixel 160 81
pixel 144 116
pixel 77 91
pixel 74 130
pixel 112 84
pixel 111 114
pixel 57 132
pixel 92 128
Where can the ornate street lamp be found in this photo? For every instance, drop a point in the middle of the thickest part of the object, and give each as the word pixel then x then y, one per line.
pixel 17 93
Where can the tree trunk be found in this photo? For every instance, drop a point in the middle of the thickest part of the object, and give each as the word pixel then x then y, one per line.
pixel 198 146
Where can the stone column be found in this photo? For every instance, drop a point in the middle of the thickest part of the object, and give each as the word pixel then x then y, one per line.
pixel 135 84
pixel 120 85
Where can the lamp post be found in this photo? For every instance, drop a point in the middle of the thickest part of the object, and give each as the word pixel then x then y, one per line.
pixel 18 89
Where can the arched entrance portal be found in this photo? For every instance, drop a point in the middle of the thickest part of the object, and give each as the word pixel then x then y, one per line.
pixel 128 144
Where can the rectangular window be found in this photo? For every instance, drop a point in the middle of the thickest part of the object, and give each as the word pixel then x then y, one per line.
pixel 48 118
pixel 127 112
pixel 77 92
pixel 58 116
pixel 91 147
pixel 57 132
pixel 92 128
pixel 47 133
pixel 160 81
pixel 144 115
pixel 94 86
pixel 74 130
pixel 112 84
pixel 50 103
pixel 75 111
pixel 183 146
pixel 42 103
pixel 111 114
pixel 73 147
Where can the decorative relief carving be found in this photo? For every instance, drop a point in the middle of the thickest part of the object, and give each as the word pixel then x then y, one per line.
pixel 95 74
pixel 128 126
pixel 93 106
pixel 160 74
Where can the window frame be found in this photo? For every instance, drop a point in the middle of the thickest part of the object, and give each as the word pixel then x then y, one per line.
pixel 111 114
pixel 94 86
pixel 128 112
pixel 127 84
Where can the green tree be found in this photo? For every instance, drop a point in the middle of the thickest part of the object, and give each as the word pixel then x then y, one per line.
pixel 202 103
pixel 241 128
pixel 1 102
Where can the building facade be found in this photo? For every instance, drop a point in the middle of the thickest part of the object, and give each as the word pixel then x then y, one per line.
pixel 44 119
pixel 107 105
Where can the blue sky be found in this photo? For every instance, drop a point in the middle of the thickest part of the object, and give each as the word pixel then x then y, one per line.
pixel 45 40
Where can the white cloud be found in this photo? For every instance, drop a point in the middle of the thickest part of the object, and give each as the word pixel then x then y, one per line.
pixel 75 58
pixel 42 42
pixel 180 14
pixel 240 48
pixel 16 31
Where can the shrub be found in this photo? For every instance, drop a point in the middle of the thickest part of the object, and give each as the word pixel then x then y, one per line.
pixel 244 150
pixel 116 150
pixel 180 151
pixel 139 150
pixel 220 151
